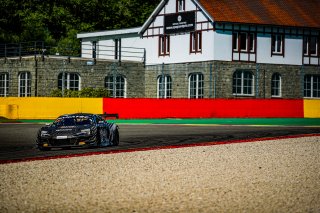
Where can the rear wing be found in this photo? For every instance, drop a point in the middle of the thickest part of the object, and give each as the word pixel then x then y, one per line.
pixel 107 115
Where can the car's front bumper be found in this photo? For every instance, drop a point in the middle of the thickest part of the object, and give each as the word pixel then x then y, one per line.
pixel 66 141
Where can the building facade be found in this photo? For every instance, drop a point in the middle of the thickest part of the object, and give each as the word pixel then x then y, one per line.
pixel 38 76
pixel 214 49
pixel 195 49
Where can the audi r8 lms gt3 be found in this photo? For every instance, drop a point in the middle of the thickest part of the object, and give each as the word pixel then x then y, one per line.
pixel 77 130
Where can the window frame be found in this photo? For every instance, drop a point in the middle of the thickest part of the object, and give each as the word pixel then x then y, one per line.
pixel 275 39
pixel 311 89
pixel 196 42
pixel 68 81
pixel 180 5
pixel 276 85
pixel 4 84
pixel 119 86
pixel 94 49
pixel 25 84
pixel 242 83
pixel 199 86
pixel 250 41
pixel 166 91
pixel 307 45
pixel 164 45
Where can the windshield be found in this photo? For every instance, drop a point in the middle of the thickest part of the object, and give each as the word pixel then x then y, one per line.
pixel 73 121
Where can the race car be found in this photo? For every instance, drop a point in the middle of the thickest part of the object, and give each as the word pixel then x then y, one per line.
pixel 78 130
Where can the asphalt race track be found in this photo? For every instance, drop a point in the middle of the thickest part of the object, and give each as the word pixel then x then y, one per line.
pixel 17 141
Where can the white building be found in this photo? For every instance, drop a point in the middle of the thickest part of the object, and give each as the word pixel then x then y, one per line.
pixel 250 35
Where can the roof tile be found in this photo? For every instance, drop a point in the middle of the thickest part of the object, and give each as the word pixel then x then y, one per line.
pixel 298 13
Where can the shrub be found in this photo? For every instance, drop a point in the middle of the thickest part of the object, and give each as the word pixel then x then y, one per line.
pixel 88 92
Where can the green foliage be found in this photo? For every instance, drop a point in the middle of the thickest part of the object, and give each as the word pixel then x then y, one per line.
pixel 58 22
pixel 84 93
pixel 56 93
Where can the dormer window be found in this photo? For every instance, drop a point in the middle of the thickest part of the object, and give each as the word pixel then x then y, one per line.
pixel 181 5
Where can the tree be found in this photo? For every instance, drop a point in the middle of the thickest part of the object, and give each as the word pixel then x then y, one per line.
pixel 56 22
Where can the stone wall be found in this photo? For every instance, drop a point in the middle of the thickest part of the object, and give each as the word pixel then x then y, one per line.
pixel 218 78
pixel 142 81
pixel 45 71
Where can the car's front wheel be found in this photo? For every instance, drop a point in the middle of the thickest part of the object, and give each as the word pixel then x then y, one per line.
pixel 40 146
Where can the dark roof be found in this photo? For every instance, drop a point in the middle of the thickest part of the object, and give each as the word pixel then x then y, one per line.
pixel 298 13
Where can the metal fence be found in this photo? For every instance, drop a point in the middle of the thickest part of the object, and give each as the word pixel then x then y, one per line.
pixel 35 48
pixel 98 51
pixel 113 52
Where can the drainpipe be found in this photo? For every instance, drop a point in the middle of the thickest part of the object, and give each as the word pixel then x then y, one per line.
pixel 257 80
pixel 120 51
pixel 63 77
pixel 162 83
pixel 114 86
pixel 215 80
pixel 264 83
pixel 302 81
pixel 210 95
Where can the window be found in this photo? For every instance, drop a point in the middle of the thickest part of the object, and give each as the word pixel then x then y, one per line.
pixel 180 5
pixel 312 86
pixel 243 83
pixel 25 84
pixel 310 46
pixel 94 49
pixel 117 89
pixel 117 46
pixel 276 85
pixel 164 86
pixel 164 45
pixel 277 44
pixel 196 84
pixel 4 84
pixel 195 42
pixel 71 81
pixel 244 42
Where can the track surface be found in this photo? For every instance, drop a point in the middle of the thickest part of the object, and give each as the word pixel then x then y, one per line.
pixel 17 141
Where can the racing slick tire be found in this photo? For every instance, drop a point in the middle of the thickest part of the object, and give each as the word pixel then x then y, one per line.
pixel 41 148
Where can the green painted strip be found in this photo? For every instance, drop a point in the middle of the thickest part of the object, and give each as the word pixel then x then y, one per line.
pixel 229 121
pixel 209 121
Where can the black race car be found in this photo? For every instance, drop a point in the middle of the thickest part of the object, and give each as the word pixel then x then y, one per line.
pixel 77 130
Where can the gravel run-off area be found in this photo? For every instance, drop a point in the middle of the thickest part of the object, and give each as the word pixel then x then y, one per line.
pixel 264 176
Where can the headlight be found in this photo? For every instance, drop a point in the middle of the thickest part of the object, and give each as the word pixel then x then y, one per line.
pixel 44 133
pixel 86 131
